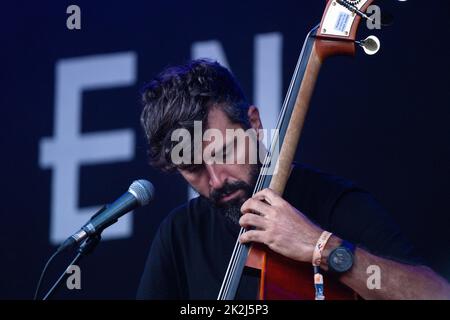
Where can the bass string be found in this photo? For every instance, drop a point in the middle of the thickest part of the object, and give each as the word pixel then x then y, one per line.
pixel 258 187
pixel 237 251
pixel 229 276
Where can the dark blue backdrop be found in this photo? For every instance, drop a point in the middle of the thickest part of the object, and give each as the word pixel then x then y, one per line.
pixel 381 121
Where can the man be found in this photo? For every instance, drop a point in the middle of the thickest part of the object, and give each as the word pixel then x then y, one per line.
pixel 192 247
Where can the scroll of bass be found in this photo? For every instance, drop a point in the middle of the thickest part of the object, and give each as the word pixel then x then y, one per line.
pixel 282 278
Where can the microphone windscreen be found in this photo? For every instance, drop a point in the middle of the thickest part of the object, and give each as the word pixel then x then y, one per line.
pixel 143 190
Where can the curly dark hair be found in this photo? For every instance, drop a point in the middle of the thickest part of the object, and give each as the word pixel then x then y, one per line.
pixel 183 94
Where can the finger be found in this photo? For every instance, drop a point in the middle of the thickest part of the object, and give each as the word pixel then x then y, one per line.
pixel 255 206
pixel 268 195
pixel 252 236
pixel 252 221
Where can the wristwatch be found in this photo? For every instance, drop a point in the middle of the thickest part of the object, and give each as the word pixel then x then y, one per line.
pixel 340 259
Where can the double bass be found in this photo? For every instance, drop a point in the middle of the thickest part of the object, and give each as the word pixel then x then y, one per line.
pixel 280 277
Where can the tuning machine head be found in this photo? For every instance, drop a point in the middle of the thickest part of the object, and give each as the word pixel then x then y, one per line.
pixel 371 45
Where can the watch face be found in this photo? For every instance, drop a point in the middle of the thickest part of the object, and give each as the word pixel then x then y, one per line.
pixel 340 259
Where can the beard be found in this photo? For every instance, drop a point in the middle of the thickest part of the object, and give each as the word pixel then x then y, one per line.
pixel 231 209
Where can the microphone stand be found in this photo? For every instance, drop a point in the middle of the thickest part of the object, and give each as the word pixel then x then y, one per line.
pixel 85 248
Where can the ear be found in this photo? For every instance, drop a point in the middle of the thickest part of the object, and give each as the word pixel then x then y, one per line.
pixel 254 118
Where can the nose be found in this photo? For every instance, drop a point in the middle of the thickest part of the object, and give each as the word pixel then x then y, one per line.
pixel 216 178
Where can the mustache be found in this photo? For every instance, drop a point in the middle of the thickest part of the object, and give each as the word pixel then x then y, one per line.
pixel 229 188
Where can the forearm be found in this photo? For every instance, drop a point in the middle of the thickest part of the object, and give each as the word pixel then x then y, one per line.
pixel 273 221
pixel 397 280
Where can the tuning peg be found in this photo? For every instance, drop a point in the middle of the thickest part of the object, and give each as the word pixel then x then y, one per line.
pixel 371 45
pixel 387 19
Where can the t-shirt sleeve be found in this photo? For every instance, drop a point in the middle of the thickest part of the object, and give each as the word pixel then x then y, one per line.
pixel 159 279
pixel 359 218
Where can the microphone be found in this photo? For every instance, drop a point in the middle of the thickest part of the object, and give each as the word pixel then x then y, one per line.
pixel 139 194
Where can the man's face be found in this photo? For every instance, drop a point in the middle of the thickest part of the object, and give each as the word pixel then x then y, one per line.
pixel 226 185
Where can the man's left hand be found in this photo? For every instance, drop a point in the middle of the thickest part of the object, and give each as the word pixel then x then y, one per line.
pixel 273 221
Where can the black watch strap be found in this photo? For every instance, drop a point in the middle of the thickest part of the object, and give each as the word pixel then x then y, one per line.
pixel 350 246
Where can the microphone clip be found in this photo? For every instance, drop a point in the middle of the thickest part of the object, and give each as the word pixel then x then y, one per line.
pixel 87 231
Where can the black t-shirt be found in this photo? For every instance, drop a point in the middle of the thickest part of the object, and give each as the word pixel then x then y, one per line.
pixel 192 247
